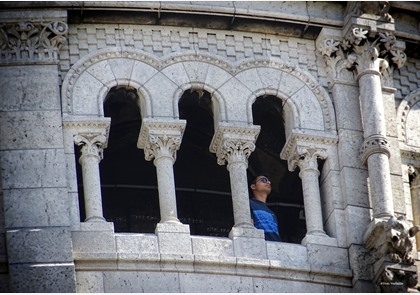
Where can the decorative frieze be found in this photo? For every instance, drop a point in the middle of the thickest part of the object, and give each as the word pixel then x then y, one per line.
pixel 32 42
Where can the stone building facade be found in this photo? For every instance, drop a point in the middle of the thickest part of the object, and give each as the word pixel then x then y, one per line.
pixel 129 132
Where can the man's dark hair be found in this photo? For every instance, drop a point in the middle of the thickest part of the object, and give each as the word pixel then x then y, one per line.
pixel 254 179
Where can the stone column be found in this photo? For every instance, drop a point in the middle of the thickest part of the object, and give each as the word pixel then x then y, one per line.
pixel 415 200
pixel 91 154
pixel 361 52
pixel 375 150
pixel 160 141
pixel 233 145
pixel 306 160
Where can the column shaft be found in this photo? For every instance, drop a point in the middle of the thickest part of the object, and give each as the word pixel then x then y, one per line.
pixel 92 187
pixel 240 199
pixel 380 185
pixel 166 184
pixel 312 201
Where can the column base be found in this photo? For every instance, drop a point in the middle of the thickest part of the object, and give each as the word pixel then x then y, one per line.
pixel 95 239
pixel 319 239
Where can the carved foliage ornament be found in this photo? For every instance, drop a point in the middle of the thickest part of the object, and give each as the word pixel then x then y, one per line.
pixel 232 151
pixel 357 51
pixel 162 145
pixel 92 144
pixel 30 41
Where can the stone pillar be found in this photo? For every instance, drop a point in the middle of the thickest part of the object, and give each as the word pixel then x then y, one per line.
pixel 91 154
pixel 361 52
pixel 375 150
pixel 32 159
pixel 160 139
pixel 306 160
pixel 415 200
pixel 303 151
pixel 233 145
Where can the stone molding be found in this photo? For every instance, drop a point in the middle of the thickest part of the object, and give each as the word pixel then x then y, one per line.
pixel 161 138
pixel 372 145
pixel 32 41
pixel 300 141
pixel 402 113
pixel 233 143
pixel 88 127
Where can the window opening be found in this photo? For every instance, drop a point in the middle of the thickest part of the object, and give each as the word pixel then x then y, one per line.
pixel 202 186
pixel 286 198
pixel 128 181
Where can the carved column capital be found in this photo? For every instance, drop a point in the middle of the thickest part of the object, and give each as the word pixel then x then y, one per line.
pixel 233 144
pixel 372 145
pixel 161 138
pixel 32 41
pixel 92 145
pixel 361 51
pixel 306 159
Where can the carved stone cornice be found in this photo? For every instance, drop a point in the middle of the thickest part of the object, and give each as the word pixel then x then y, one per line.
pixel 372 145
pixel 160 138
pixel 318 140
pixel 90 126
pixel 32 41
pixel 233 143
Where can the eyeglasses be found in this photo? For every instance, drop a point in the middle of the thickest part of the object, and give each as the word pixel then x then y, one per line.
pixel 263 179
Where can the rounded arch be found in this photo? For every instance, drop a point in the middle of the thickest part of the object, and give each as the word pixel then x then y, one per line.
pixel 309 102
pixel 89 80
pixel 408 116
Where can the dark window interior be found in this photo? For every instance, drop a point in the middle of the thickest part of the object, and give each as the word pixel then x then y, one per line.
pixel 203 187
pixel 129 184
pixel 286 198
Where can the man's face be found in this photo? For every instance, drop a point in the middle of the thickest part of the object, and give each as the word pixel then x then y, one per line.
pixel 262 184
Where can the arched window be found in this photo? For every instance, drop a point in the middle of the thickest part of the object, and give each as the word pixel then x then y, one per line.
pixel 202 186
pixel 128 181
pixel 286 198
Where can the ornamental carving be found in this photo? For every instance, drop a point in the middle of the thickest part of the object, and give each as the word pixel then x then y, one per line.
pixel 27 41
pixel 234 151
pixel 392 242
pixel 372 145
pixel 306 158
pixel 233 143
pixel 92 144
pixel 359 52
pixel 160 138
pixel 162 145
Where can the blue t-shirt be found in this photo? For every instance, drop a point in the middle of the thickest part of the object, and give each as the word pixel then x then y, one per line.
pixel 265 219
